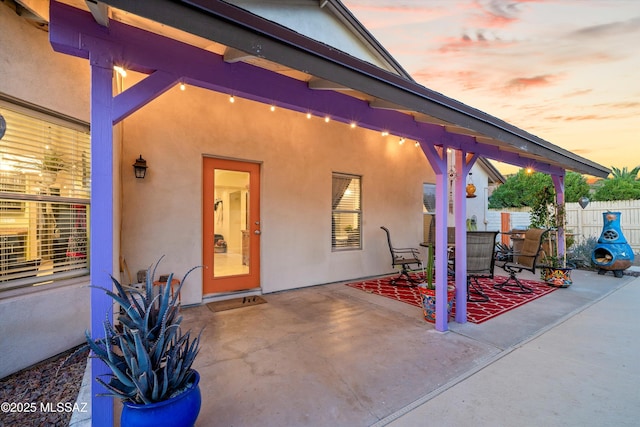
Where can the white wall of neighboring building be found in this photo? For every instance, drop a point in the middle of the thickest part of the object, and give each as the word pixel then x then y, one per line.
pixel 477 207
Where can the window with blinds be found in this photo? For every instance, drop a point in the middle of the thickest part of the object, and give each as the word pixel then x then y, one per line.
pixel 346 215
pixel 44 197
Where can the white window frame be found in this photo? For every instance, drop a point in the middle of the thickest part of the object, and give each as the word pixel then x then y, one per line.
pixel 67 200
pixel 347 237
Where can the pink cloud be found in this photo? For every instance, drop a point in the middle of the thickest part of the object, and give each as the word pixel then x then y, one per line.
pixel 578 93
pixel 498 13
pixel 467 42
pixel 522 83
pixel 467 80
pixel 588 117
pixel 456 44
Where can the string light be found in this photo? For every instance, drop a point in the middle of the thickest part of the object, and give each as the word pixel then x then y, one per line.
pixel 308 115
pixel 529 170
pixel 353 125
pixel 417 144
pixel 273 108
pixel 232 99
pixel 327 119
pixel 401 141
pixel 120 70
pixel 182 86
pixel 385 133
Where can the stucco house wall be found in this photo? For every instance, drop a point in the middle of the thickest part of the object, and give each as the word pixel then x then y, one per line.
pixel 43 322
pixel 162 214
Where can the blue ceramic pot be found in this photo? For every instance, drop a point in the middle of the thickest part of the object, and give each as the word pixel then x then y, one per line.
pixel 179 411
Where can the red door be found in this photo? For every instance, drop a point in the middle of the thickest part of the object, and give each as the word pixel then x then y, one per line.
pixel 231 227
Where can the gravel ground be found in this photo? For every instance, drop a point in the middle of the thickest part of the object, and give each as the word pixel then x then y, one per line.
pixel 36 392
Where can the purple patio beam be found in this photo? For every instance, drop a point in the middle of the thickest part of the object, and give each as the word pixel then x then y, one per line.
pixel 146 52
pixel 142 93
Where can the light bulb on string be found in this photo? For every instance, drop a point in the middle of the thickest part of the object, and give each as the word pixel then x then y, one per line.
pixel 120 70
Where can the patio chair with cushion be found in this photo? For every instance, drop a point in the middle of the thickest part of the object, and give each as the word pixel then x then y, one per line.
pixel 480 262
pixel 525 259
pixel 404 258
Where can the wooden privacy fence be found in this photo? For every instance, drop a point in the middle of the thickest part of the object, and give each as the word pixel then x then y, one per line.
pixel 588 221
pixel 583 223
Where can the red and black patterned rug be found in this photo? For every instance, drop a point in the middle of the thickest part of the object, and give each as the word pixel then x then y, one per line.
pixel 477 312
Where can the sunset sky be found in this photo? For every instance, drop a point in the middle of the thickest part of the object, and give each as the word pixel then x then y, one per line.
pixel 567 71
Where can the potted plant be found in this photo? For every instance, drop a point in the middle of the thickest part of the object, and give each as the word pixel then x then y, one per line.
pixel 556 272
pixel 545 213
pixel 427 291
pixel 150 357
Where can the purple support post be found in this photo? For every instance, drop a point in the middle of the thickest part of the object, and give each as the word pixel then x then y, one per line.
pixel 101 222
pixel 460 214
pixel 558 183
pixel 438 161
pixel 463 166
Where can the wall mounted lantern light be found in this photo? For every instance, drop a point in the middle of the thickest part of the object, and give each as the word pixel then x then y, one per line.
pixel 140 167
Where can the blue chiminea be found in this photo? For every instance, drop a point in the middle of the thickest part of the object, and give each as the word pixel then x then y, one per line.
pixel 612 251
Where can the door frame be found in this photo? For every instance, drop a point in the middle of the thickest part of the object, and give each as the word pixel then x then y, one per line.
pixel 235 283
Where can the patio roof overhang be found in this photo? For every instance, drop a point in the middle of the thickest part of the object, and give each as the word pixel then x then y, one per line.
pixel 288 59
pixel 214 45
pixel 217 46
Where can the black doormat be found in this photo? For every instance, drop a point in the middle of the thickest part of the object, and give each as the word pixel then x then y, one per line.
pixel 230 304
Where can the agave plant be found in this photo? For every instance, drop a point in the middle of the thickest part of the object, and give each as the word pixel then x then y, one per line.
pixel 149 356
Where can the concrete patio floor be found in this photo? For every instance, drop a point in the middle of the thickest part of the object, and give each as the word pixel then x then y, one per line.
pixel 332 355
pixel 335 356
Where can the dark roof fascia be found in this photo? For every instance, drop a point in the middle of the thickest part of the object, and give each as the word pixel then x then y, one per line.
pixel 235 27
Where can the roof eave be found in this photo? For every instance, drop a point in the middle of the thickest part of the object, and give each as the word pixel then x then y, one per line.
pixel 235 27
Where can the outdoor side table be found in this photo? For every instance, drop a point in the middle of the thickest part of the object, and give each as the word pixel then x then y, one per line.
pixel 174 283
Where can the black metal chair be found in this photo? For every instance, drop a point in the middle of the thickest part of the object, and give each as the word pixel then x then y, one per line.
pixel 525 259
pixel 404 258
pixel 480 262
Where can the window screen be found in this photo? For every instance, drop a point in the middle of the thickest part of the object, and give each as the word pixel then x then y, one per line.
pixel 44 198
pixel 429 197
pixel 346 215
